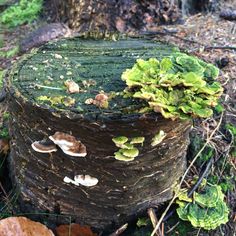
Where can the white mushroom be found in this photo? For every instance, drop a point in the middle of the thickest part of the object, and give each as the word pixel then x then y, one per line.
pixel 43 146
pixel 69 144
pixel 70 181
pixel 86 180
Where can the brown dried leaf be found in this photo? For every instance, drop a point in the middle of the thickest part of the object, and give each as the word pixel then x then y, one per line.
pixel 21 226
pixel 74 230
pixel 4 146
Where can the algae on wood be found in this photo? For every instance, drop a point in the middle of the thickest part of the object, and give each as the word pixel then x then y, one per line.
pixel 40 106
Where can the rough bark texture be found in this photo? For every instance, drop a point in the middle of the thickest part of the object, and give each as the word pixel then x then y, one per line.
pixel 113 15
pixel 124 188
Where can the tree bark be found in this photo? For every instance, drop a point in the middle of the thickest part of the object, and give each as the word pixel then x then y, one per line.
pixel 124 189
pixel 116 15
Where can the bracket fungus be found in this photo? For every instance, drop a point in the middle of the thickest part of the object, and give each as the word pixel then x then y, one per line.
pixel 44 146
pixel 127 151
pixel 69 144
pixel 137 140
pixel 85 180
pixel 208 210
pixel 119 141
pixel 158 138
pixel 70 181
pixel 181 86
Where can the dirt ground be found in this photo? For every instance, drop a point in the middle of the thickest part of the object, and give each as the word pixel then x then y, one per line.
pixel 212 39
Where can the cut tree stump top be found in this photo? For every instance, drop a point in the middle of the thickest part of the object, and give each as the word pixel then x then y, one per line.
pixel 95 65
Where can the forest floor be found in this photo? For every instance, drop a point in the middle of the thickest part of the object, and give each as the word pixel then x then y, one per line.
pixel 214 40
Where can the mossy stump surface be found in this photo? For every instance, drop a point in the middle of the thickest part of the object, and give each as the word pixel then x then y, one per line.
pixel 40 106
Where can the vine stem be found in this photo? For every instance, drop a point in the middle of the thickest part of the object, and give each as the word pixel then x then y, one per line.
pixel 177 192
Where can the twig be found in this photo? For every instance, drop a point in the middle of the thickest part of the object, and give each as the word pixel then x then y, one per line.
pixel 153 218
pixel 48 87
pixel 186 172
pixel 120 230
pixel 172 228
pixel 220 47
pixel 202 176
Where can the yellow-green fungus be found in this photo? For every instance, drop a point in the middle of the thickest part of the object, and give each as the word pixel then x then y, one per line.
pixel 120 140
pixel 137 140
pixel 158 138
pixel 130 152
pixel 119 156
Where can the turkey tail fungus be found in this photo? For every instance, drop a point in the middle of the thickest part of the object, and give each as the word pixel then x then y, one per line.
pixel 106 190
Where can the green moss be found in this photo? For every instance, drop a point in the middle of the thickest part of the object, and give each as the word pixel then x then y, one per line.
pixel 208 209
pixel 24 11
pixel 179 87
pixel 1 78
pixel 10 53
pixel 56 100
pixel 4 132
pixel 231 128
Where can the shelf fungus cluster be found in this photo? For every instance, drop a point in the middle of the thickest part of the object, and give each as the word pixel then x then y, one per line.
pixel 127 151
pixel 67 143
pixel 85 180
pixel 206 210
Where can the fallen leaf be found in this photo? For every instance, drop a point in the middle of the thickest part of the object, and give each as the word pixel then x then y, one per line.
pixel 21 226
pixel 74 230
pixel 4 146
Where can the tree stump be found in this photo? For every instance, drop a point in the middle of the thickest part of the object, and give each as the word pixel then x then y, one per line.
pixel 115 15
pixel 40 105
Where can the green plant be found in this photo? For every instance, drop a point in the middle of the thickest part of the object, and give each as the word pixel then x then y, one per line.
pixel 4 132
pixel 1 78
pixel 10 53
pixel 207 209
pixel 178 87
pixel 232 129
pixel 25 11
